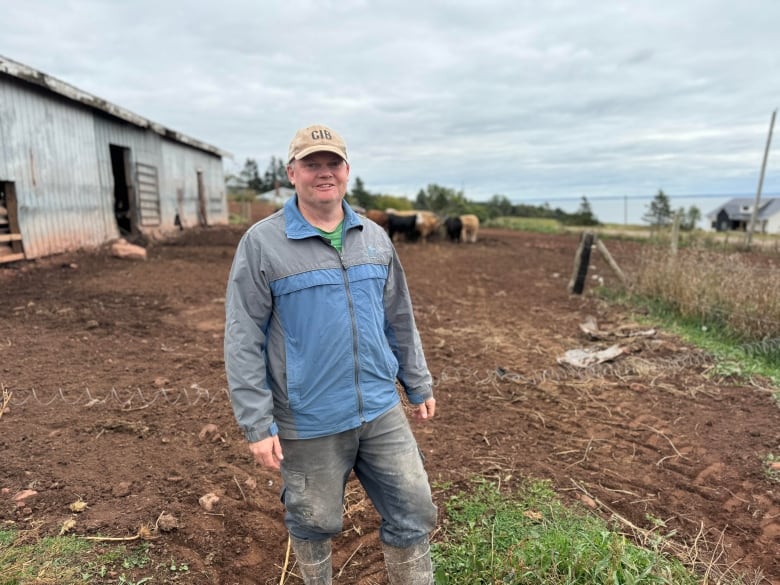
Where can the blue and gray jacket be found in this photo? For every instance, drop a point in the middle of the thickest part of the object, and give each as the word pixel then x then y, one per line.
pixel 314 339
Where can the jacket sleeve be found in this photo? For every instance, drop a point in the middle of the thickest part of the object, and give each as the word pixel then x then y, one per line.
pixel 403 336
pixel 248 306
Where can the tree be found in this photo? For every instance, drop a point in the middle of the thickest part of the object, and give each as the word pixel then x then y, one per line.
pixel 275 174
pixel 499 206
pixel 584 215
pixel 659 211
pixel 359 195
pixel 441 200
pixel 692 217
pixel 250 176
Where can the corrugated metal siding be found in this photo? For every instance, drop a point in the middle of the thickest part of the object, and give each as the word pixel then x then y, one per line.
pixel 48 147
pixel 58 155
pixel 144 149
pixel 182 165
pixel 177 166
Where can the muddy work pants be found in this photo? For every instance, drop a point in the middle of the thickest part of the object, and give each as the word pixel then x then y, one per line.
pixel 384 455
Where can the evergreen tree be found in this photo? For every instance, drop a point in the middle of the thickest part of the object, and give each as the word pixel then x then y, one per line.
pixel 250 176
pixel 584 215
pixel 659 211
pixel 276 173
pixel 359 195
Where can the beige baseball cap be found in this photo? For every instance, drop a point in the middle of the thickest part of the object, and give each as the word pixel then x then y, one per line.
pixel 317 138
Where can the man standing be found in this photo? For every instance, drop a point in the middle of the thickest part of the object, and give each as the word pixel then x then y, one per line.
pixel 319 326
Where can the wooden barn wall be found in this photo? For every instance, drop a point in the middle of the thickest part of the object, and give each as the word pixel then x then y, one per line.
pixel 47 149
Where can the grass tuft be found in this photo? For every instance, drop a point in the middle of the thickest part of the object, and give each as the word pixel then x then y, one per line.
pixel 530 538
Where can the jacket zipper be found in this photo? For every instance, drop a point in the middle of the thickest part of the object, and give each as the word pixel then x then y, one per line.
pixel 358 393
pixel 351 305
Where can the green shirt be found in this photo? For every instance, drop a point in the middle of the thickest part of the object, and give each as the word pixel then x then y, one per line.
pixel 333 237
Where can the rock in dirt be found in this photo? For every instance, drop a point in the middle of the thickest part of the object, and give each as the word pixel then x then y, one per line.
pixel 208 501
pixel 22 497
pixel 210 432
pixel 122 489
pixel 167 522
pixel 122 249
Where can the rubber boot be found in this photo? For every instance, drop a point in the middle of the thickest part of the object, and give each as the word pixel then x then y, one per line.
pixel 409 566
pixel 314 560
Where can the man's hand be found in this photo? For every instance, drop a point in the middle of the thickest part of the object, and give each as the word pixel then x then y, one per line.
pixel 426 410
pixel 267 452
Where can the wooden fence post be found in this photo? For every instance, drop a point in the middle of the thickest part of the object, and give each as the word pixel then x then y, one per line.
pixel 676 232
pixel 581 260
pixel 611 262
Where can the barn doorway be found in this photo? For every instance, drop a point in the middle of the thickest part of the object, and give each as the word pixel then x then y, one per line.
pixel 11 248
pixel 124 199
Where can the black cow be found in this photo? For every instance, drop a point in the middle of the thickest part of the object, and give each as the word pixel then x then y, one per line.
pixel 454 227
pixel 402 224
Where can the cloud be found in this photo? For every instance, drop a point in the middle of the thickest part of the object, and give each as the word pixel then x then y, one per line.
pixel 521 98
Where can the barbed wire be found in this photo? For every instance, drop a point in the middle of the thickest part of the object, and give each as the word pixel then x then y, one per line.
pixel 129 399
pixel 137 399
pixel 563 372
pixel 762 347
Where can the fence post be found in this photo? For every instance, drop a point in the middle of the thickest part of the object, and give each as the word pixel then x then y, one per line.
pixel 581 260
pixel 676 232
pixel 611 262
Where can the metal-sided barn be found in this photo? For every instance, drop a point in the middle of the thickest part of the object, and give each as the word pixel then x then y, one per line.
pixel 77 171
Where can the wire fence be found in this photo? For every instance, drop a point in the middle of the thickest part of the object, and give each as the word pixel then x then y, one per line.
pixel 140 399
pixel 126 399
pixel 131 399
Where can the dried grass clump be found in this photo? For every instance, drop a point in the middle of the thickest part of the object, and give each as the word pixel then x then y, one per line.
pixel 716 288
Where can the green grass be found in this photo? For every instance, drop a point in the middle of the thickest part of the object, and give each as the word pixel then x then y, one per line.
pixel 490 537
pixel 26 559
pixel 771 461
pixel 527 224
pixel 530 538
pixel 733 356
pixel 45 560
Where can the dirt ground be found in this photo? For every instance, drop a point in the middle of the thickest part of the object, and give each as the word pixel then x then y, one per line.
pixel 119 401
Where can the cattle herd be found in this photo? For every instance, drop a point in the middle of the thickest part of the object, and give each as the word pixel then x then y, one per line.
pixel 421 226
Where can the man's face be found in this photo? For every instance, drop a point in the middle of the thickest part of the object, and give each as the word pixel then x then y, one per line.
pixel 319 178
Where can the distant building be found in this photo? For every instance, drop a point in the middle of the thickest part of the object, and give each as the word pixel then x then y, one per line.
pixel 277 197
pixel 737 213
pixel 77 171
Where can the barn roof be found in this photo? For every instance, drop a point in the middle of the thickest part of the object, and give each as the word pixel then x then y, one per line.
pixel 741 208
pixel 51 84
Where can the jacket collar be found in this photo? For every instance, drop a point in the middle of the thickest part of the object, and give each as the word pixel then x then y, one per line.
pixel 296 227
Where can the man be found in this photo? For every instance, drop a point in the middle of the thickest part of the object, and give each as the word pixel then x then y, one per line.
pixel 319 326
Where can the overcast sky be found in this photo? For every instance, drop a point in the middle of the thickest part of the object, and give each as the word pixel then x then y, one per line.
pixel 532 100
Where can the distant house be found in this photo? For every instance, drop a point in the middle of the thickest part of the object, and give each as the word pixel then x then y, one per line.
pixel 736 214
pixel 277 197
pixel 77 171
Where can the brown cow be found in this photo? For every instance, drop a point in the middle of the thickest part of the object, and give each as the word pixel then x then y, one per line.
pixel 470 224
pixel 427 224
pixel 378 217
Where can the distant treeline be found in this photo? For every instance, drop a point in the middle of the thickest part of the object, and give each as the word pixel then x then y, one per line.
pixel 445 201
pixel 441 200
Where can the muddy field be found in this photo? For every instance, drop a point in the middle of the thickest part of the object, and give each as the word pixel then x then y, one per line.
pixel 119 401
